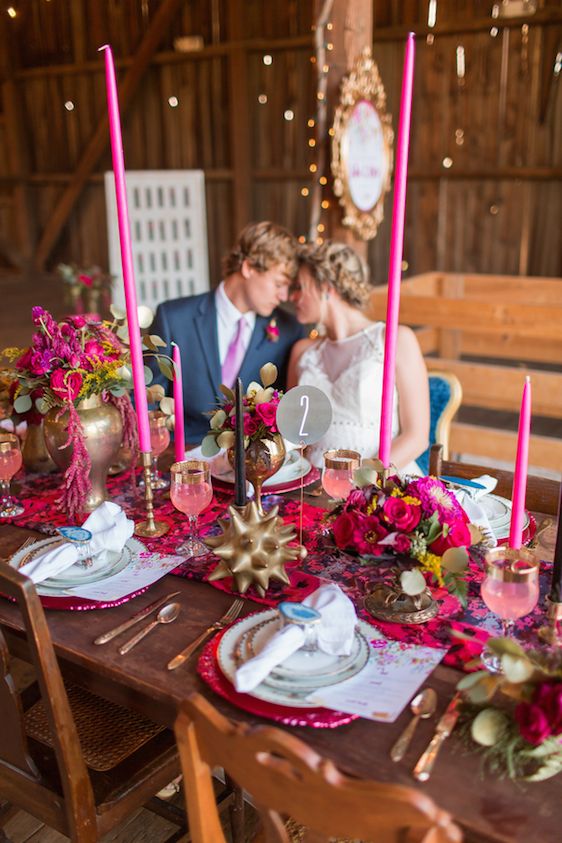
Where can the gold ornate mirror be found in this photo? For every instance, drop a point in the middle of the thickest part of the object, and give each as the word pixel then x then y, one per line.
pixel 362 148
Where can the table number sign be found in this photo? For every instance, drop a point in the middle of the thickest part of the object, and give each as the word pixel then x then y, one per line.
pixel 304 415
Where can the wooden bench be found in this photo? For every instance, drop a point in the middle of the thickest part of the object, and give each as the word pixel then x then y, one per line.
pixel 491 331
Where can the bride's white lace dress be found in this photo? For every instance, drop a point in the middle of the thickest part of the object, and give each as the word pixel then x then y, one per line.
pixel 350 372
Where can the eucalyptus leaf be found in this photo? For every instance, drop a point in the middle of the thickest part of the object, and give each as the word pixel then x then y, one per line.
pixel 123 333
pixel 434 528
pixel 117 312
pixel 23 403
pixel 42 406
pixel 501 646
pixel 268 374
pixel 263 396
pixel 147 342
pixel 217 420
pixel 155 393
pixel 157 341
pixel 148 376
pixel 225 439
pixel 167 406
pixel 488 726
pixel 516 669
pixel 455 559
pixel 166 367
pixel 227 392
pixel 484 690
pixel 471 679
pixel 118 391
pixel 209 447
pixel 125 373
pixel 364 476
pixel 146 316
pixel 412 582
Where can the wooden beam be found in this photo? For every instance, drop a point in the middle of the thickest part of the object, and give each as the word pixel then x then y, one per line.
pixel 100 139
pixel 239 122
pixel 499 387
pixel 542 17
pixel 501 445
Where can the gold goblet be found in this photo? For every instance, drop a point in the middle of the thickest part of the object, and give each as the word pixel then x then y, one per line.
pixel 262 458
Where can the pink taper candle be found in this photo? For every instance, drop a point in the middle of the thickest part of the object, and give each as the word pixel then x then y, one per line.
pixel 521 465
pixel 137 362
pixel 179 434
pixel 395 261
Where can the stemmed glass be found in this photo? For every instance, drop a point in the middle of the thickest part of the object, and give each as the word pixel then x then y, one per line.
pixel 510 589
pixel 10 464
pixel 159 441
pixel 191 492
pixel 337 476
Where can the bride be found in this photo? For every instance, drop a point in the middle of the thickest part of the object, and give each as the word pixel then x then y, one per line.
pixel 347 363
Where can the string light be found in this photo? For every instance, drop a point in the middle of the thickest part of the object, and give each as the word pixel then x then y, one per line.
pixel 323 180
pixel 558 64
pixel 432 13
pixel 69 105
pixel 460 62
pixel 311 142
pixel 302 239
pixel 329 26
pixel 267 60
pixel 289 114
pixel 494 31
pixel 447 162
pixel 262 99
pixel 173 102
pixel 325 204
pixel 313 168
pixel 321 227
pixel 304 191
pixel 311 123
pixel 11 11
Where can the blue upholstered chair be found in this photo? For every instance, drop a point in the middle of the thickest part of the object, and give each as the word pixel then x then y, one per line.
pixel 445 396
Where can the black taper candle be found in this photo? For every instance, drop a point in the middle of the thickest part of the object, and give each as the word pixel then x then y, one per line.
pixel 556 587
pixel 239 465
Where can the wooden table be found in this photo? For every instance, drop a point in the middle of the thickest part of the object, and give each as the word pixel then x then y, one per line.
pixel 490 809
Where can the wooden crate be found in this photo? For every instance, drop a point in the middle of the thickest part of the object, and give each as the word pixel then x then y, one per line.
pixel 491 331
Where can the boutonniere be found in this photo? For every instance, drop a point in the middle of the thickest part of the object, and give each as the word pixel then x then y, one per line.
pixel 272 331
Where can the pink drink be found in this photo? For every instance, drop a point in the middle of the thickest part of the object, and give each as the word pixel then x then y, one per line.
pixel 159 440
pixel 10 463
pixel 191 498
pixel 510 600
pixel 337 482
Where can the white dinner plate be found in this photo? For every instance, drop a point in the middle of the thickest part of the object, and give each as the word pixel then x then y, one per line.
pixel 498 511
pixel 307 671
pixel 105 565
pixel 294 467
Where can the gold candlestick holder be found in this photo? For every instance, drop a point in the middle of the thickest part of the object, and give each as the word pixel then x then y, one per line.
pixel 149 529
pixel 552 633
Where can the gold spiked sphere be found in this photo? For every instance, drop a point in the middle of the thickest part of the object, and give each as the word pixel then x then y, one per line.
pixel 253 548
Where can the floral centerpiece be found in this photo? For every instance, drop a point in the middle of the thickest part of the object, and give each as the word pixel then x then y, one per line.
pixel 521 735
pixel 259 406
pixel 85 287
pixel 414 520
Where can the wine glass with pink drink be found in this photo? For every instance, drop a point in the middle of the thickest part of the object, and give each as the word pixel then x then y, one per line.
pixel 510 589
pixel 337 476
pixel 191 492
pixel 10 464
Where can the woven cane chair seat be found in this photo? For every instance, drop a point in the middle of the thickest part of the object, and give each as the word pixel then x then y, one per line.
pixel 108 733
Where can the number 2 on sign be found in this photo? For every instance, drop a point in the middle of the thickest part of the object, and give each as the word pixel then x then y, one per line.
pixel 304 402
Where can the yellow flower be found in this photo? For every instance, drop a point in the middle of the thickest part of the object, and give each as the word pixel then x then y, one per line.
pixel 411 500
pixel 432 563
pixel 12 353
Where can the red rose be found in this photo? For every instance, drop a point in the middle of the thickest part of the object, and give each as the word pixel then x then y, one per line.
pixel 343 528
pixel 267 413
pixel 458 536
pixel 251 424
pixel 533 723
pixel 401 515
pixel 549 697
pixel 66 384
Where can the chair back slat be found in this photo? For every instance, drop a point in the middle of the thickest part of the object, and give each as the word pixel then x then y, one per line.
pixel 77 789
pixel 542 494
pixel 13 745
pixel 287 778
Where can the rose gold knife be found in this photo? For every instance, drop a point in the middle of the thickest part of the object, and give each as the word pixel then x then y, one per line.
pixel 109 636
pixel 445 726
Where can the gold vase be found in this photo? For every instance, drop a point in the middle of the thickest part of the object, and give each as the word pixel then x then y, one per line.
pixel 262 458
pixel 103 432
pixel 34 453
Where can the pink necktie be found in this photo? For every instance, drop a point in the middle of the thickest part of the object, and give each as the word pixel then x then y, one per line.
pixel 235 353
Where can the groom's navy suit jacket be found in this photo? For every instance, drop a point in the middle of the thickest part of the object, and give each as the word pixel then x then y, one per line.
pixel 192 324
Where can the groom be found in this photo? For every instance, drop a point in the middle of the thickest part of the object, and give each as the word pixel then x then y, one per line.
pixel 233 330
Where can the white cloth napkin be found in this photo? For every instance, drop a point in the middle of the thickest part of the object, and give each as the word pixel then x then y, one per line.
pixel 110 529
pixel 336 631
pixel 468 499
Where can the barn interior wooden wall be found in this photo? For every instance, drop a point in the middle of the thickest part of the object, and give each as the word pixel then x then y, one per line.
pixel 486 149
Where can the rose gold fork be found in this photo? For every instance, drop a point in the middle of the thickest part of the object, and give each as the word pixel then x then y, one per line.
pixel 230 615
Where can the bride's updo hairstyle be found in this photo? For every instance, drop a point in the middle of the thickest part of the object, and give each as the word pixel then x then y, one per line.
pixel 338 266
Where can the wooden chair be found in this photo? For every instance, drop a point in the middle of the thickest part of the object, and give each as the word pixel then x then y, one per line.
pixel 286 778
pixel 542 494
pixel 445 398
pixel 130 758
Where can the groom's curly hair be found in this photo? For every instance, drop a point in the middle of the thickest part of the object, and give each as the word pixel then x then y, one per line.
pixel 338 266
pixel 264 245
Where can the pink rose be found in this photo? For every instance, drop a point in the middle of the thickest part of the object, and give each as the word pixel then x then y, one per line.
pixel 251 424
pixel 66 384
pixel 355 500
pixel 343 528
pixel 458 536
pixel 85 279
pixel 402 543
pixel 401 515
pixel 267 413
pixel 92 348
pixel 533 723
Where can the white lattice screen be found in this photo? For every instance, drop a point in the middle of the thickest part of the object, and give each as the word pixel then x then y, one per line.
pixel 168 232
